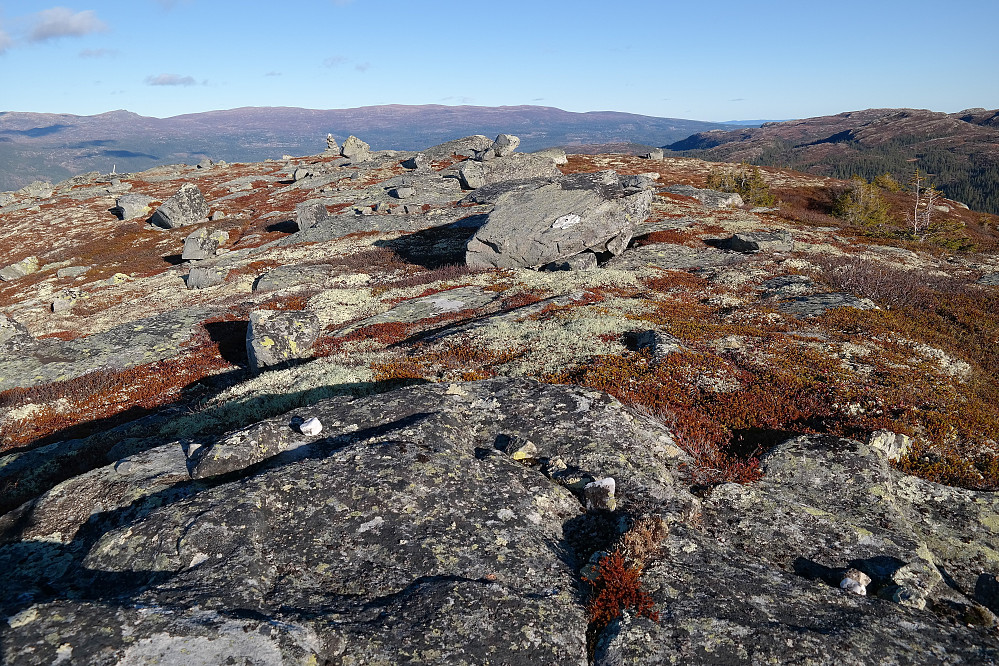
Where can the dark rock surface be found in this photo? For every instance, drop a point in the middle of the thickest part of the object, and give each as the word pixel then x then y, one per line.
pixel 401 534
pixel 126 345
pixel 407 531
pixel 817 304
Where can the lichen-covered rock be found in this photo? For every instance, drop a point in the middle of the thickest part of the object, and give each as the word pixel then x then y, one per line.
pixel 124 346
pixel 402 530
pixel 709 198
pixel 12 332
pixel 505 144
pixel 355 150
pixel 761 241
pixel 202 244
pixel 203 277
pixel 131 206
pixel 274 337
pixel 19 269
pixel 554 222
pixel 772 556
pixel 188 206
pixel 518 166
pixel 817 304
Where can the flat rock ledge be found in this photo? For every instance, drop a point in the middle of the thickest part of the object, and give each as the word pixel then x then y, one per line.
pixel 426 525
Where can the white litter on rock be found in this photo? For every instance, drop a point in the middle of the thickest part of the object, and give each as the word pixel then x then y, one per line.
pixel 566 221
pixel 311 427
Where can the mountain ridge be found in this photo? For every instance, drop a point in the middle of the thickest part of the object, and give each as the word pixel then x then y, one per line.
pixel 35 146
pixel 960 149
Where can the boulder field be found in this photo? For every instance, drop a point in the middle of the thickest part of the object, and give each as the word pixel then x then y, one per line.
pixel 475 406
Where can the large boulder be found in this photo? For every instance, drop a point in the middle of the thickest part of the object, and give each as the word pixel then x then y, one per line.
pixel 556 221
pixel 356 150
pixel 274 337
pixel 475 174
pixel 188 206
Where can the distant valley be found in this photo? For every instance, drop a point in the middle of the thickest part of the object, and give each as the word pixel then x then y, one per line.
pixel 41 146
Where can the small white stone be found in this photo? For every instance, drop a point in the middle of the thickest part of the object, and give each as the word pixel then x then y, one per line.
pixel 311 427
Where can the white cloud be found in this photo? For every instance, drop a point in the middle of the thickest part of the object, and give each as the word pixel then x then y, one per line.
pixel 5 42
pixel 273 74
pixel 363 67
pixel 97 53
pixel 170 80
pixel 335 61
pixel 63 22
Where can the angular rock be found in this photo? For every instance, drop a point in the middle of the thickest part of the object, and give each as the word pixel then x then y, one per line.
pixel 202 244
pixel 486 155
pixel 761 241
pixel 7 198
pixel 206 163
pixel 558 221
pixel 300 174
pixel 12 332
pixel 309 214
pixel 19 269
pixel 584 261
pixel 656 155
pixel 186 207
pixel 356 150
pixel 556 154
pixel 310 427
pixel 274 337
pixel 203 277
pixel 892 445
pixel 72 271
pixel 659 344
pixel 403 192
pixel 818 304
pixel 418 161
pixel 38 189
pixel 515 167
pixel 599 495
pixel 131 206
pixel 520 449
pixel 709 198
pixel 990 279
pixel 464 147
pixel 505 144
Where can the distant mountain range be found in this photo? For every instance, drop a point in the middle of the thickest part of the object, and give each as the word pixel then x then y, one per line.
pixel 961 149
pixel 53 147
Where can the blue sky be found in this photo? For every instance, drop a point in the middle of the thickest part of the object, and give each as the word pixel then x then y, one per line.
pixel 700 60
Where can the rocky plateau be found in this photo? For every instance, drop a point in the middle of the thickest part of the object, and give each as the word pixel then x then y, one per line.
pixel 472 405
